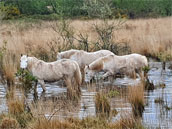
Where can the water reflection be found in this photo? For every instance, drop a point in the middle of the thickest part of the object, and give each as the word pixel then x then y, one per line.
pixel 155 114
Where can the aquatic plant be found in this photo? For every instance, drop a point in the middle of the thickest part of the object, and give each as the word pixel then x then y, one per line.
pixel 112 93
pixel 102 104
pixel 159 100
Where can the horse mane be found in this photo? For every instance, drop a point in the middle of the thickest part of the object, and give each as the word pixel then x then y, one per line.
pixel 96 65
pixel 33 60
pixel 68 54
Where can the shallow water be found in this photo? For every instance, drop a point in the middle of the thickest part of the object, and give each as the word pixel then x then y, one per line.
pixel 155 115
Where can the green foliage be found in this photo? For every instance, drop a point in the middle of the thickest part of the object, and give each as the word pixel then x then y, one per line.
pixel 144 8
pixel 89 8
pixel 146 69
pixel 112 93
pixel 162 56
pixel 9 11
pixel 102 104
pixel 30 7
pixel 99 8
pixel 25 77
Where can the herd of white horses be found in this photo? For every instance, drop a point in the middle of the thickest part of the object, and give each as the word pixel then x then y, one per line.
pixel 73 65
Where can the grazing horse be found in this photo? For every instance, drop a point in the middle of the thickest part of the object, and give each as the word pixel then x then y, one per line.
pixel 65 69
pixel 83 58
pixel 113 64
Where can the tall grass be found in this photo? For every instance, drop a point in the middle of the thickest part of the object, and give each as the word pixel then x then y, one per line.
pixel 8 64
pixel 102 104
pixel 136 98
pixel 43 123
pixel 17 108
pixel 153 35
pixel 9 67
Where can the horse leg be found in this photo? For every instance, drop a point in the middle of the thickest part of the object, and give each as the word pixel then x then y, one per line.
pixel 72 92
pixel 83 75
pixel 35 86
pixel 42 84
pixel 69 87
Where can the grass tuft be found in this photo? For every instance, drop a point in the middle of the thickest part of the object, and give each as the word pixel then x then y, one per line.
pixel 102 104
pixel 9 123
pixel 136 98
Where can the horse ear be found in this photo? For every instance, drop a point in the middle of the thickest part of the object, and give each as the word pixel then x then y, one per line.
pixel 21 55
pixel 88 66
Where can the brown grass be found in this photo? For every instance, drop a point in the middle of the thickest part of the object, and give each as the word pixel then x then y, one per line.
pixel 9 68
pixel 15 103
pixel 9 123
pixel 145 36
pixel 15 106
pixel 127 121
pixel 43 123
pixel 102 104
pixel 136 98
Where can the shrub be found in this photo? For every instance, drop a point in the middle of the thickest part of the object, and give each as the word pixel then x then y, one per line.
pixel 9 11
pixel 26 78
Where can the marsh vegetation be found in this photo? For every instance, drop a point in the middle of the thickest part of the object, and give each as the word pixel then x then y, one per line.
pixel 126 103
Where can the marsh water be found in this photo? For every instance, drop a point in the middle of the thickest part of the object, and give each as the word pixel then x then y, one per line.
pixel 156 114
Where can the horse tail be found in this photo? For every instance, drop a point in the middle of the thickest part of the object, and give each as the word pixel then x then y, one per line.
pixel 77 75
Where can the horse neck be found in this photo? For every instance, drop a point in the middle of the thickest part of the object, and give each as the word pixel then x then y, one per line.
pixel 31 62
pixel 97 65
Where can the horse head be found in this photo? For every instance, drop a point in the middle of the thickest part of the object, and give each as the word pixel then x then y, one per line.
pixel 89 73
pixel 23 61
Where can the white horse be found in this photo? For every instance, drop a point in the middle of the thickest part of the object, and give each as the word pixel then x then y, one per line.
pixel 65 69
pixel 83 58
pixel 112 64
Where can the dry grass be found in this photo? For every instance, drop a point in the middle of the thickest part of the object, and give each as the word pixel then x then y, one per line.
pixel 136 98
pixel 9 123
pixel 9 68
pixel 87 123
pixel 145 36
pixel 40 120
pixel 43 123
pixel 127 121
pixel 102 104
pixel 16 105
